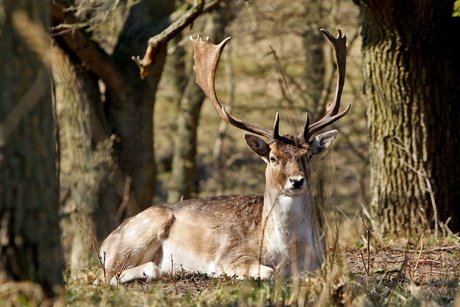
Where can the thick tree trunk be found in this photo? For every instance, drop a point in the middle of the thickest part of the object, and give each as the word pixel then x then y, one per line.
pixel 29 186
pixel 131 116
pixel 411 83
pixel 184 160
pixel 87 165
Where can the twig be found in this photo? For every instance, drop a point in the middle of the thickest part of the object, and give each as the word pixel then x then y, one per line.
pixel 123 266
pixel 420 252
pixel 90 235
pixel 126 197
pixel 101 261
pixel 103 268
pixel 172 275
pixel 366 268
pixel 368 237
pixel 394 281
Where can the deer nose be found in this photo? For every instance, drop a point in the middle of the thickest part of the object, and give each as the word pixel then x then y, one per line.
pixel 297 182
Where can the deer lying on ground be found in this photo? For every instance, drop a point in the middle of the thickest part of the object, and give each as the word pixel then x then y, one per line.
pixel 243 235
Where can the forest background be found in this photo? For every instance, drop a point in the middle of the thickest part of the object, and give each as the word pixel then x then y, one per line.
pixel 125 143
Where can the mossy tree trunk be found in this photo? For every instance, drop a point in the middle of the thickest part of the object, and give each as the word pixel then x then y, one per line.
pixel 411 73
pixel 29 185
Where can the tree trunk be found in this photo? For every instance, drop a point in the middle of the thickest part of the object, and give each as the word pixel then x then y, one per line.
pixel 108 146
pixel 29 186
pixel 184 160
pixel 411 82
pixel 87 165
pixel 130 116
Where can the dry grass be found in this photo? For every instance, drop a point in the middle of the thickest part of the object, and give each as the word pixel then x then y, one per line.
pixel 419 271
pixel 398 271
pixel 405 272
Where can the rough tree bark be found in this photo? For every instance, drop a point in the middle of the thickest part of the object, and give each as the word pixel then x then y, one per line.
pixel 87 164
pixel 29 186
pixel 411 72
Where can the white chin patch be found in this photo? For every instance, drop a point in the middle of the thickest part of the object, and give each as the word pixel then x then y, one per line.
pixel 293 191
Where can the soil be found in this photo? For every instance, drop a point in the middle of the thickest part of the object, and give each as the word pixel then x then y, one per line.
pixel 420 266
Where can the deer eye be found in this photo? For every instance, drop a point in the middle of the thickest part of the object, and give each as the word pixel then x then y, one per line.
pixel 273 160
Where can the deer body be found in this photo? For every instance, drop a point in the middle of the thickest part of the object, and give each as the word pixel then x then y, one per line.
pixel 244 235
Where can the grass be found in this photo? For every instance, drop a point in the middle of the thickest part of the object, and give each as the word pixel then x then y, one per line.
pixel 398 272
pixel 421 271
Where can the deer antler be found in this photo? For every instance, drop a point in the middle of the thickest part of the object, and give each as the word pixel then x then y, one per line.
pixel 332 111
pixel 206 56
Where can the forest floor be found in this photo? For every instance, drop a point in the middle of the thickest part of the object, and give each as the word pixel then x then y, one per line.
pixel 412 272
pixel 423 272
pixel 401 274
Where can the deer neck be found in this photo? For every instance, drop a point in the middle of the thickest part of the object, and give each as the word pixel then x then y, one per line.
pixel 286 220
pixel 290 229
pixel 286 213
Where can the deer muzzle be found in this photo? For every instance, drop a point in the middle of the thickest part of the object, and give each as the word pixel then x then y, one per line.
pixel 295 184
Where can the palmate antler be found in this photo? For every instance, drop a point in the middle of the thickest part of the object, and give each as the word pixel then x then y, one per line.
pixel 332 110
pixel 206 56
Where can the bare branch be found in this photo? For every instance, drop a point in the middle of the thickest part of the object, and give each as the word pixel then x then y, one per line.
pixel 88 51
pixel 158 40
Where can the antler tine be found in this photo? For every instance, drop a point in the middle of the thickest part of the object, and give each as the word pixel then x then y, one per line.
pixel 305 131
pixel 332 111
pixel 206 56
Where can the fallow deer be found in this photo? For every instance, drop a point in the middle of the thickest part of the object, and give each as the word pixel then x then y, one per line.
pixel 243 235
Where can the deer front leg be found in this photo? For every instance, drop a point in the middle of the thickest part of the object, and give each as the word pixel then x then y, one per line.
pixel 259 270
pixel 252 269
pixel 145 272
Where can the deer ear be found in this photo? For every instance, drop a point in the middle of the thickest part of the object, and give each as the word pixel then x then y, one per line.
pixel 257 145
pixel 322 141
